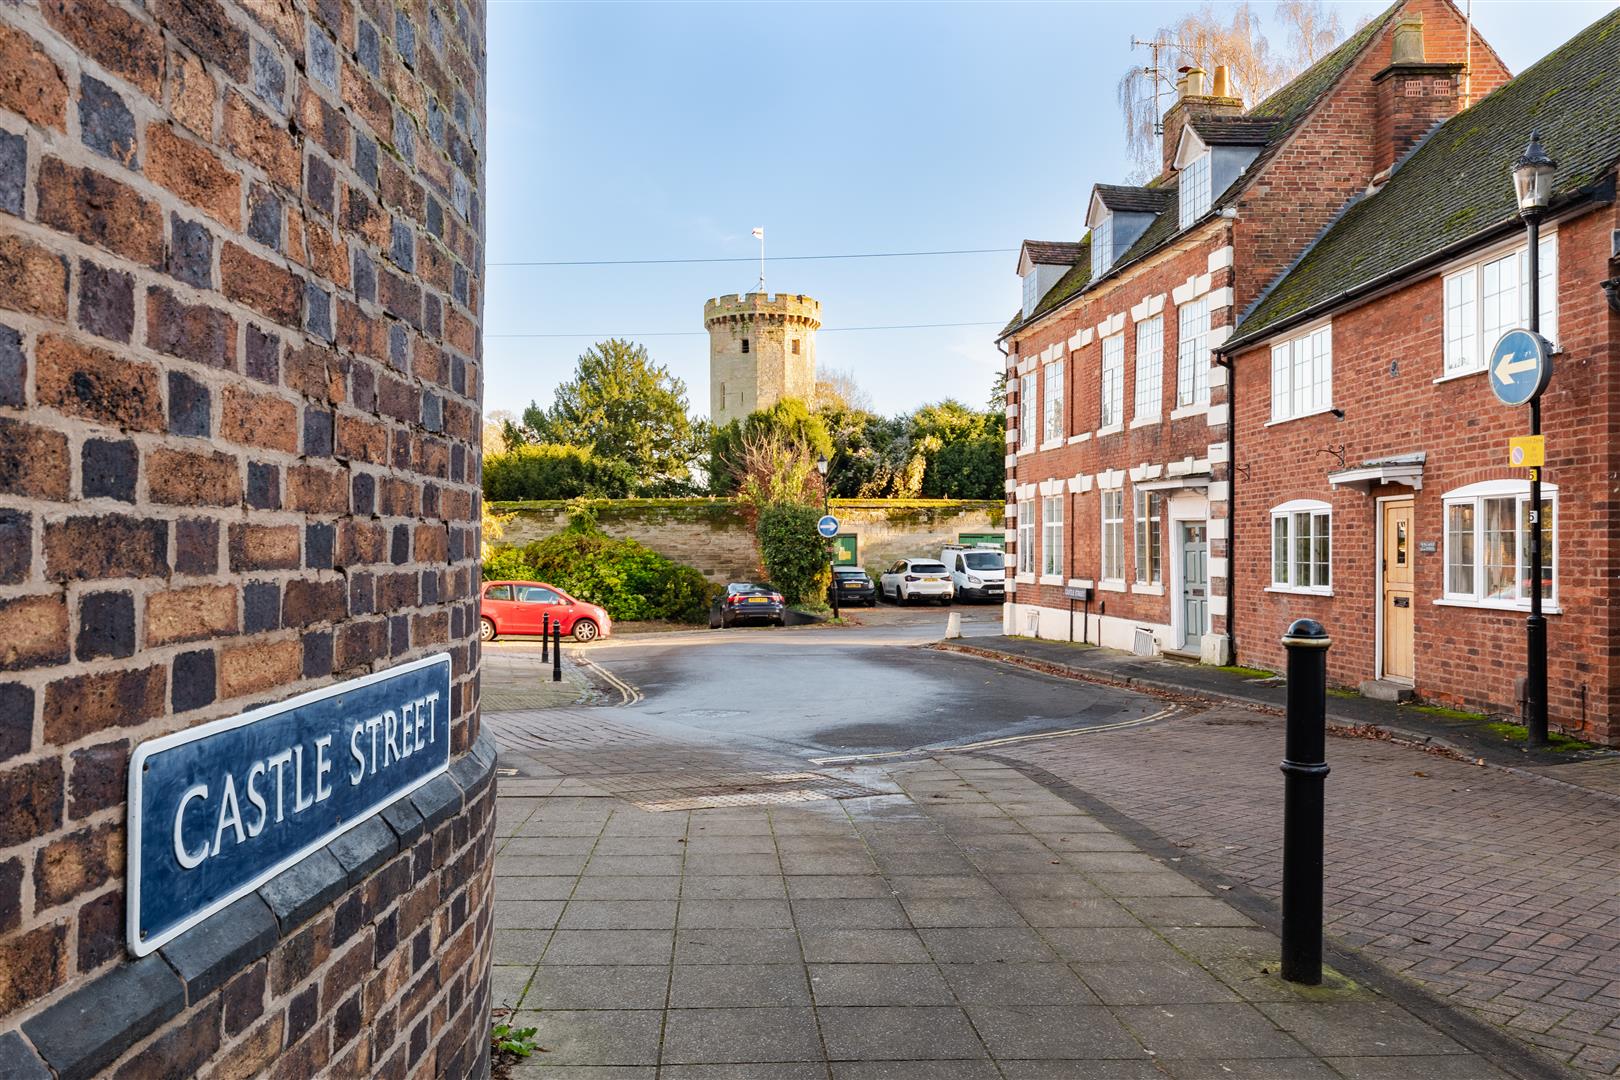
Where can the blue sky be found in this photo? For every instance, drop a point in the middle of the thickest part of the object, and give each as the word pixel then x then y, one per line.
pixel 668 131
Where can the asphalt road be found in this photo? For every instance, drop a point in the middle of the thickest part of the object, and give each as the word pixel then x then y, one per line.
pixel 827 692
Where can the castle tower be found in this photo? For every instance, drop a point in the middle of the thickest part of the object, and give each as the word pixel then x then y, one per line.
pixel 762 348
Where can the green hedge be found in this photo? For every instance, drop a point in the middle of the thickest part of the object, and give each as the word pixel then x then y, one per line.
pixel 551 471
pixel 794 554
pixel 629 579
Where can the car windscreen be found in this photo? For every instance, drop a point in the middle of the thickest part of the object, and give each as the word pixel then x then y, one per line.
pixel 749 590
pixel 983 560
pixel 850 571
pixel 927 568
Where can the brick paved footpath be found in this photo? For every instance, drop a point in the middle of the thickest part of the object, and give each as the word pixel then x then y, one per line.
pixel 966 925
pixel 1496 890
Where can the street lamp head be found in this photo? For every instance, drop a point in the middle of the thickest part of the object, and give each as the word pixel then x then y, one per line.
pixel 1533 177
pixel 821 464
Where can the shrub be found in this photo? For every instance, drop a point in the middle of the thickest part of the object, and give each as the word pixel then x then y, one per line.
pixel 553 471
pixel 629 579
pixel 794 554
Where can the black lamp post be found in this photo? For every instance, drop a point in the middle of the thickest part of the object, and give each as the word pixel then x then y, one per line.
pixel 832 547
pixel 1532 187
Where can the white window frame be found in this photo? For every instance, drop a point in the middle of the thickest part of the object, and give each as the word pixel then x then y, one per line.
pixel 1192 353
pixel 1111 563
pixel 1302 374
pixel 1148 395
pixel 1027 414
pixel 1148 526
pixel 1102 246
pixel 1474 319
pixel 1032 295
pixel 1318 515
pixel 1193 190
pixel 1026 538
pixel 1053 402
pixel 1052 536
pixel 1112 373
pixel 1476 496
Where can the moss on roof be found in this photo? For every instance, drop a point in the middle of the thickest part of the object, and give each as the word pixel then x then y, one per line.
pixel 1457 183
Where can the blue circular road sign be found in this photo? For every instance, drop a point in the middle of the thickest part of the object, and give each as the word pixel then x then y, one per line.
pixel 827 526
pixel 1520 366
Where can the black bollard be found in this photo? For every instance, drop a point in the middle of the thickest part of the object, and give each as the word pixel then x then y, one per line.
pixel 1305 771
pixel 556 654
pixel 545 636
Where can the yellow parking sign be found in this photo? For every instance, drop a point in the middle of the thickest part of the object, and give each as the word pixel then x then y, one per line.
pixel 1527 451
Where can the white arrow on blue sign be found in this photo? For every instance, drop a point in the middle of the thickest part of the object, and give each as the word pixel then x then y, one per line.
pixel 827 526
pixel 1520 366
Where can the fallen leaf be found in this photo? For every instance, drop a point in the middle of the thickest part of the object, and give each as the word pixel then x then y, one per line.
pixel 1420 772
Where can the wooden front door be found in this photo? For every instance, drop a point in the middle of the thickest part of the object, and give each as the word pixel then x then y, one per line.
pixel 1399 545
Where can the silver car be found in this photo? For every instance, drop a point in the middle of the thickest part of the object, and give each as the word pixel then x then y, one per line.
pixel 917 579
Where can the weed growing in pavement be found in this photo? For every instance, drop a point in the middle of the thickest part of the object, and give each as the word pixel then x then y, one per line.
pixel 1248 672
pixel 1557 741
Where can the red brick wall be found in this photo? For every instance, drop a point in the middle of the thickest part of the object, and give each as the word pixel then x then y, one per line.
pixel 1464 656
pixel 240 379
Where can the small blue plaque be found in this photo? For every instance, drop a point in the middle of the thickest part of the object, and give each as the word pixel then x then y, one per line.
pixel 218 810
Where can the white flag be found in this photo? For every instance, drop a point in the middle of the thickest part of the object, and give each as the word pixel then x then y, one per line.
pixel 759 234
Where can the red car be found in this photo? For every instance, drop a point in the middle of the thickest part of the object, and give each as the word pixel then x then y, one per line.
pixel 520 607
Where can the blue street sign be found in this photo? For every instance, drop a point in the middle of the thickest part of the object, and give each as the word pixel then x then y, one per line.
pixel 1520 366
pixel 827 526
pixel 218 810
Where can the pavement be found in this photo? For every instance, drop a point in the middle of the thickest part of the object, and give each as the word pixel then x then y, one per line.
pixel 675 905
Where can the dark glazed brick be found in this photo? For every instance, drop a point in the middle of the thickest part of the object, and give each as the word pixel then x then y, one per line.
pixel 106 625
pixel 399 351
pixel 364 848
pixel 88 1030
pixel 108 469
pixel 105 123
pixel 13 368
pixel 433 315
pixel 261 606
pixel 400 549
pixel 363 388
pixel 363 494
pixel 319 541
pixel 365 149
pixel 323 67
pixel 435 121
pixel 189 406
pixel 362 593
pixel 402 245
pixel 263 486
pixel 264 217
pixel 98 779
pixel 221 945
pixel 405 36
pixel 365 276
pixel 191 252
pixel 399 635
pixel 304 888
pixel 317 654
pixel 13 172
pixel 196 544
pixel 437 801
pixel 302 1012
pixel 404 132
pixel 320 184
pixel 458 375
pixel 459 284
pixel 369 50
pixel 101 931
pixel 317 432
pixel 106 302
pixel 244 999
pixel 195 680
pixel 269 77
pixel 432 412
pixel 317 311
pixel 18 1061
pixel 263 356
pixel 435 217
pixel 16 733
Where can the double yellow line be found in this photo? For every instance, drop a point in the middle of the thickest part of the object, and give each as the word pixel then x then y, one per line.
pixel 628 695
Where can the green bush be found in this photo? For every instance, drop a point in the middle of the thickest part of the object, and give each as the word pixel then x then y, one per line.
pixel 629 579
pixel 794 554
pixel 553 471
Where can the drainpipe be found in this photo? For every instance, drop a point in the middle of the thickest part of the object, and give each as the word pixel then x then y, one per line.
pixel 1231 502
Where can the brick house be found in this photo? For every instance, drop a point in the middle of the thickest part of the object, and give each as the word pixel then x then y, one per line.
pixel 1373 489
pixel 1118 423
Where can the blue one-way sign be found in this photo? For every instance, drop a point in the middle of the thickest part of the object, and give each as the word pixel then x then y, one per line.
pixel 1520 366
pixel 827 526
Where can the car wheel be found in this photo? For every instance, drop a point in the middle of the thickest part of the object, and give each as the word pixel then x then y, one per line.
pixel 584 630
pixel 714 621
pixel 486 630
pixel 779 622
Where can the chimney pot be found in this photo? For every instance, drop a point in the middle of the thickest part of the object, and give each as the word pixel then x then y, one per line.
pixel 1408 46
pixel 1223 82
pixel 1195 82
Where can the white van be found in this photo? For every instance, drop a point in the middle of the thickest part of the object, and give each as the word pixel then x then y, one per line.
pixel 978 573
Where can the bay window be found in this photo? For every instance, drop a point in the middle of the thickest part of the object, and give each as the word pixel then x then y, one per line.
pixel 1302 546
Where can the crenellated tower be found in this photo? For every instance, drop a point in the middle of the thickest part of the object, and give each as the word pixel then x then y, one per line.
pixel 762 348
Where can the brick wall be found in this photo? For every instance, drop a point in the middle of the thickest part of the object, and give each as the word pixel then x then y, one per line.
pixel 240 382
pixel 1387 355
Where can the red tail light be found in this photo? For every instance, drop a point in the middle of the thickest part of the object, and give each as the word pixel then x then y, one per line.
pixel 776 598
pixel 913 577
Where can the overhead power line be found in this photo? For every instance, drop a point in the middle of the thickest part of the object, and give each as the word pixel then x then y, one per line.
pixel 705 333
pixel 749 259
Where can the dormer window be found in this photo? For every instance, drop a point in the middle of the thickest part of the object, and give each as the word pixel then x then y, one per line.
pixel 1102 244
pixel 1193 185
pixel 1032 291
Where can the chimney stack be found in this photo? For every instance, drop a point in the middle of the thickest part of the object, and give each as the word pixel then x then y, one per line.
pixel 1413 95
pixel 1193 99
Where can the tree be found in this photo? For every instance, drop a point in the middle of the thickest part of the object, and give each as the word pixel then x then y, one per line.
pixel 1204 39
pixel 789 422
pixel 550 471
pixel 494 435
pixel 962 451
pixel 836 389
pixel 1313 30
pixel 623 406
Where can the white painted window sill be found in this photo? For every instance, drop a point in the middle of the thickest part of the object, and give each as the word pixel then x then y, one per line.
pixel 1148 588
pixel 1080 438
pixel 1455 375
pixel 1289 589
pixel 1111 586
pixel 1301 416
pixel 1111 429
pixel 1052 579
pixel 1146 421
pixel 1197 409
pixel 1025 579
pixel 1052 444
pixel 1517 607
